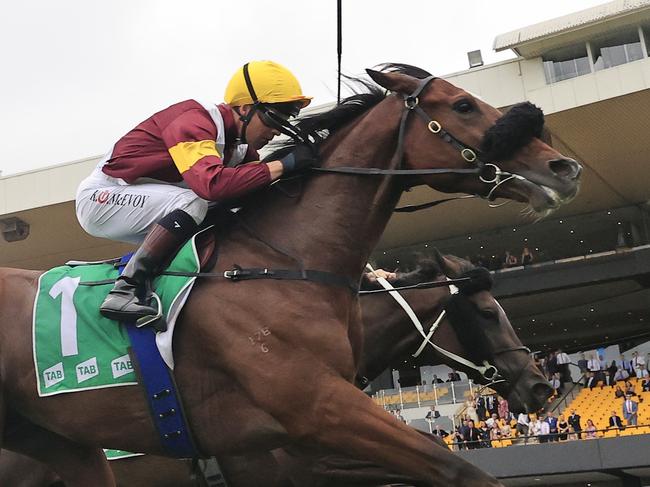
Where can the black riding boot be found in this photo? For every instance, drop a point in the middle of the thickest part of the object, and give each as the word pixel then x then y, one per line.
pixel 131 299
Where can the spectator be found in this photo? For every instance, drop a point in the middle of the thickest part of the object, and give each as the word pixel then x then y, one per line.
pixel 574 422
pixel 481 409
pixel 556 384
pixel 510 260
pixel 432 414
pixel 572 434
pixel 621 373
pixel 563 362
pixel 471 438
pixel 603 363
pixel 506 430
pixel 495 434
pixel 582 363
pixel 492 421
pixel 504 410
pixel 458 437
pixel 436 380
pixel 470 410
pixel 522 426
pixel 484 433
pixel 453 376
pixel 645 385
pixel 438 431
pixel 615 421
pixel 590 380
pixel 626 365
pixel 590 430
pixel 630 410
pixel 562 428
pixel 638 362
pixel 544 431
pixel 618 392
pixel 491 404
pixel 526 256
pixel 400 417
pixel 629 388
pixel 552 424
pixel 611 373
pixel 534 429
pixel 594 366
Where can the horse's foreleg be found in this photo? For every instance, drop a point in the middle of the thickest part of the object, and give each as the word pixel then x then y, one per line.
pixel 77 465
pixel 345 420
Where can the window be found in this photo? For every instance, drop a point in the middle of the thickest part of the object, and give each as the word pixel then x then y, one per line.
pixel 616 48
pixel 567 62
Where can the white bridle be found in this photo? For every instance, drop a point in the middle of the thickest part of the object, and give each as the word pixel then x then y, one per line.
pixel 481 369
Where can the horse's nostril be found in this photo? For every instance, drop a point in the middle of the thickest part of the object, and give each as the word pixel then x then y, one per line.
pixel 565 168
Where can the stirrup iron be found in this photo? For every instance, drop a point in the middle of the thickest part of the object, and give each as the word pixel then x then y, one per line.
pixel 150 319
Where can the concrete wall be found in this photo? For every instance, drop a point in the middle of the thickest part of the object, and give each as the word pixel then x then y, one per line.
pixel 567 457
pixel 43 187
pixel 509 82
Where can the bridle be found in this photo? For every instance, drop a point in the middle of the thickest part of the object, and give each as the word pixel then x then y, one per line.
pixel 487 371
pixel 487 172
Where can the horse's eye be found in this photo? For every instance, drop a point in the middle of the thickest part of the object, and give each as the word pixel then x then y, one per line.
pixel 489 313
pixel 463 106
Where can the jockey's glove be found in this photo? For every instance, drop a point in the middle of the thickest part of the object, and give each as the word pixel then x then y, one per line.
pixel 302 157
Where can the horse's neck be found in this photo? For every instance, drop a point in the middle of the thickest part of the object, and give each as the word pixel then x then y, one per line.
pixel 336 220
pixel 389 334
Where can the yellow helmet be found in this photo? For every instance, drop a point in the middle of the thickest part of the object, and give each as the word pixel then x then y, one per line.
pixel 268 82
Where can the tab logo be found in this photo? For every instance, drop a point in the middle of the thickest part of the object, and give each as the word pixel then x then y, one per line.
pixel 53 375
pixel 87 370
pixel 121 366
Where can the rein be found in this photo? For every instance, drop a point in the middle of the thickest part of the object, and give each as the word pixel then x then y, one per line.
pixel 487 371
pixel 487 172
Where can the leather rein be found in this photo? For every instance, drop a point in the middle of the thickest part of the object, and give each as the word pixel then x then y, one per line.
pixel 487 172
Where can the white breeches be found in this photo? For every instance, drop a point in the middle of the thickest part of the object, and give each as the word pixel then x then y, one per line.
pixel 108 207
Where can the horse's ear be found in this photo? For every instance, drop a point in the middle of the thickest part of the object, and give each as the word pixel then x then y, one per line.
pixel 398 82
pixel 451 268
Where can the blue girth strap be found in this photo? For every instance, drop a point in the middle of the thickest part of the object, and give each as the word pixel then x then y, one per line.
pixel 160 389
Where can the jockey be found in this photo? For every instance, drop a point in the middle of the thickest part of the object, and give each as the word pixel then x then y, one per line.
pixel 154 186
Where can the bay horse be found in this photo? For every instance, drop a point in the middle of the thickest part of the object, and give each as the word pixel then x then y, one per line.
pixel 390 337
pixel 240 396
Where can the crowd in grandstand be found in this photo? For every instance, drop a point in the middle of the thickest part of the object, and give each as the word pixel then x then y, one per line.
pixel 499 261
pixel 487 421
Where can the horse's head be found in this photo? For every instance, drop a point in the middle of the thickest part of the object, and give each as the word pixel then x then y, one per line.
pixel 485 336
pixel 453 129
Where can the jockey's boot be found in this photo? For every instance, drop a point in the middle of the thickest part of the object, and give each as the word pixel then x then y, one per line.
pixel 131 299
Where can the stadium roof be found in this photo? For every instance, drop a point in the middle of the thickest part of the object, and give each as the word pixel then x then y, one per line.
pixel 532 40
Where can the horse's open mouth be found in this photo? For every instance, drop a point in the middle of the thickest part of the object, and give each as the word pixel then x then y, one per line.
pixel 541 198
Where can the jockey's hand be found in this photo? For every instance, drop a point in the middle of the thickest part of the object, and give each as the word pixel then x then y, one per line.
pixel 302 157
pixel 389 276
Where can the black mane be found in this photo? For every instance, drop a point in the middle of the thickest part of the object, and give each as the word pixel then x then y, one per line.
pixel 427 270
pixel 366 95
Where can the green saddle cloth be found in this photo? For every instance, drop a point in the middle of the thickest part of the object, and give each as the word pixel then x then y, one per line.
pixel 75 347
